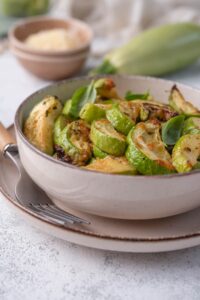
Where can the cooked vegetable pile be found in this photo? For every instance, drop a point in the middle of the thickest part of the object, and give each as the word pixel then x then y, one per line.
pixel 100 131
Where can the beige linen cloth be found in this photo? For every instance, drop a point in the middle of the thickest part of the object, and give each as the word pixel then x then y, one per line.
pixel 115 21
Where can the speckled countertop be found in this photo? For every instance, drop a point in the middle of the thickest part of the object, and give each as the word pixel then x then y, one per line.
pixel 36 266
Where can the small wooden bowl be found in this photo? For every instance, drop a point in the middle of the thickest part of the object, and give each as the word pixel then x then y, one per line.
pixel 50 65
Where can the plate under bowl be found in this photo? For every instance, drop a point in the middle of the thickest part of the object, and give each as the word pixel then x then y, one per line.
pixel 158 235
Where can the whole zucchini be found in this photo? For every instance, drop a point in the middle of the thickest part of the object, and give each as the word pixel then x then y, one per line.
pixel 157 51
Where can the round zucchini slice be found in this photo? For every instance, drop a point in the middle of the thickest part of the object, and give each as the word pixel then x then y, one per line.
pixel 123 116
pixel 74 145
pixel 91 112
pixel 113 165
pixel 191 126
pixel 59 125
pixel 107 139
pixel 39 125
pixel 98 153
pixel 146 151
pixel 186 153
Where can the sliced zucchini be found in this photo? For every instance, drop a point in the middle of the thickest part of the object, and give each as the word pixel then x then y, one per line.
pixel 155 110
pixel 106 138
pixel 179 104
pixel 191 126
pixel 67 107
pixel 74 145
pixel 146 151
pixel 98 153
pixel 91 112
pixel 186 153
pixel 106 89
pixel 60 124
pixel 123 116
pixel 113 165
pixel 39 125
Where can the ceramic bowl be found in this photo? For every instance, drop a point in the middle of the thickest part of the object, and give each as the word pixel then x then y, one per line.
pixel 51 68
pixel 113 196
pixel 50 65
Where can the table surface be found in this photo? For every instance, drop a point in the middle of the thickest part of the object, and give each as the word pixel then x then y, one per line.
pixel 34 265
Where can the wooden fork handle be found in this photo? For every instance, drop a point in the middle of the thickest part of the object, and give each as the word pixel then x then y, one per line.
pixel 5 137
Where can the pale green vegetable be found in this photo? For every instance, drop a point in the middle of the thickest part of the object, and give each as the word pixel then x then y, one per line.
pixel 107 139
pixel 75 144
pixel 98 153
pixel 91 112
pixel 186 153
pixel 191 125
pixel 146 151
pixel 123 116
pixel 59 125
pixel 156 51
pixel 39 125
pixel 111 164
pixel 179 104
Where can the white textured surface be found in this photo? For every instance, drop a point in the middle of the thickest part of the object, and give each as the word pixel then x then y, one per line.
pixel 35 266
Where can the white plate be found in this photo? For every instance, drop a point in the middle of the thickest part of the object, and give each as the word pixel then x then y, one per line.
pixel 166 234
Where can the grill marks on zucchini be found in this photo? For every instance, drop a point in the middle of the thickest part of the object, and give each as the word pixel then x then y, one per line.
pixel 179 104
pixel 186 153
pixel 146 150
pixel 123 116
pixel 74 145
pixel 154 110
pixel 38 127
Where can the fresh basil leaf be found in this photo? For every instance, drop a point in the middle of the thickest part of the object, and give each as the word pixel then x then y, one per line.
pixel 83 95
pixel 131 96
pixel 172 129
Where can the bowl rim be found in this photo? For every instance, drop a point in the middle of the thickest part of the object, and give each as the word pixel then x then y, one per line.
pixel 49 59
pixel 22 46
pixel 65 164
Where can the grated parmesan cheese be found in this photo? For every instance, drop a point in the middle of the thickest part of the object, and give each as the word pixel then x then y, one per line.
pixel 53 40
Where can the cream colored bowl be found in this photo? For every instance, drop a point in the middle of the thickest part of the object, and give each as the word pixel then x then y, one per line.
pixel 114 196
pixel 50 65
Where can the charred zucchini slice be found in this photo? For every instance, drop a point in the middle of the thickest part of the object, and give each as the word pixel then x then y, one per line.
pixel 146 150
pixel 179 104
pixel 154 110
pixel 191 126
pixel 107 139
pixel 123 116
pixel 39 125
pixel 74 145
pixel 114 165
pixel 106 89
pixel 186 153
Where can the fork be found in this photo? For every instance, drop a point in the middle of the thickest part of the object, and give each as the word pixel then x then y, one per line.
pixel 28 194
